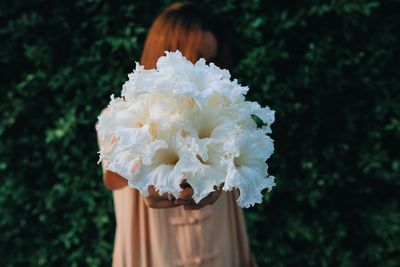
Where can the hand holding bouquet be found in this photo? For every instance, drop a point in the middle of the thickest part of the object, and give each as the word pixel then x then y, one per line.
pixel 187 122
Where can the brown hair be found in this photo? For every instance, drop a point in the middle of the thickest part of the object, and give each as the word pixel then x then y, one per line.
pixel 180 27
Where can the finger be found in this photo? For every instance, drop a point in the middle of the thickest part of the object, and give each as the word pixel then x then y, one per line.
pixel 214 197
pixel 209 199
pixel 184 184
pixel 186 193
pixel 190 204
pixel 159 204
pixel 154 194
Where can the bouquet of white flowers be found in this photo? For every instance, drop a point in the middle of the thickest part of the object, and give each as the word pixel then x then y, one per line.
pixel 184 121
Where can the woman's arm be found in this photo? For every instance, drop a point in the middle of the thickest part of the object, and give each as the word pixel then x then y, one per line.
pixel 114 181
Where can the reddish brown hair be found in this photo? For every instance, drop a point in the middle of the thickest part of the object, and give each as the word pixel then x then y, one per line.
pixel 180 27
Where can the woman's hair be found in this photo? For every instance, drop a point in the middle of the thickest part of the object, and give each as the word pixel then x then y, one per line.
pixel 180 27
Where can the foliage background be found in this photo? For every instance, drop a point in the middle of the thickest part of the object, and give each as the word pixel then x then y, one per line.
pixel 328 68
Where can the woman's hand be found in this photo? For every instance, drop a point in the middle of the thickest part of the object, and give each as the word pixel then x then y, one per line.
pixel 186 198
pixel 154 200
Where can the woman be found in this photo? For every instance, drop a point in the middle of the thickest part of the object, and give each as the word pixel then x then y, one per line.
pixel 160 231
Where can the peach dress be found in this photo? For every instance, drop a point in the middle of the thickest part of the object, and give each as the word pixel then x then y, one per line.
pixel 214 236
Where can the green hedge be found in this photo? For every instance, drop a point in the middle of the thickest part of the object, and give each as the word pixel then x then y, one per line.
pixel 328 68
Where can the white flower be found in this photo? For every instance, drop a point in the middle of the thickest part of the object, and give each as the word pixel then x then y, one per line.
pixel 208 173
pixel 168 167
pixel 140 81
pixel 244 157
pixel 184 121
